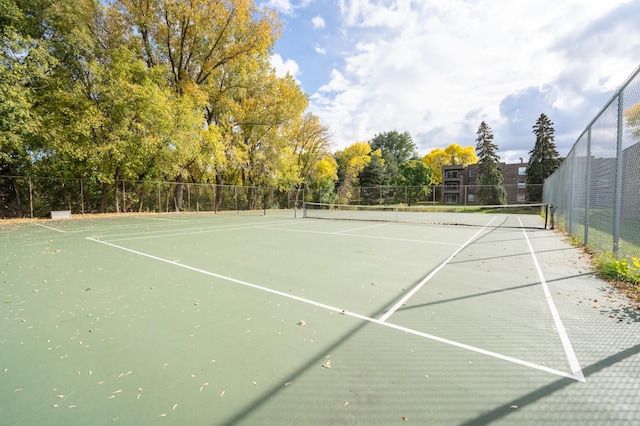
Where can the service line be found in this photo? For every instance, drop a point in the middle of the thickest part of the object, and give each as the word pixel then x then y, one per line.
pixel 348 313
pixel 342 234
pixel 186 231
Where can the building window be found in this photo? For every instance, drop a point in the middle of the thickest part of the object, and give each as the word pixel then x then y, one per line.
pixel 522 171
pixel 472 198
pixel 521 197
pixel 451 174
pixel 472 173
pixel 450 198
pixel 453 186
pixel 522 184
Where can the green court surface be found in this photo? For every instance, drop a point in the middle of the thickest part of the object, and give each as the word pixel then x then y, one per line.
pixel 221 319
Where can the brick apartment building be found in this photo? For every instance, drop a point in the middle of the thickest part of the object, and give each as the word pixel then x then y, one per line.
pixel 459 183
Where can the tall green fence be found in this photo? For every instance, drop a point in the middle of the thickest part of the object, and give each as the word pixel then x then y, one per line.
pixel 596 190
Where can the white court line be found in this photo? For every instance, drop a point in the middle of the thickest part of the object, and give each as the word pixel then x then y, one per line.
pixel 351 314
pixel 52 228
pixel 190 231
pixel 566 343
pixel 160 219
pixel 426 279
pixel 375 237
pixel 358 229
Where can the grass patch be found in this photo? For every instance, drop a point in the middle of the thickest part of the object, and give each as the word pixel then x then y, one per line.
pixel 626 269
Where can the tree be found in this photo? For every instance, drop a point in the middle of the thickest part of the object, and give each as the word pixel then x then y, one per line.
pixel 322 183
pixel 351 161
pixel 415 176
pixel 452 155
pixel 374 174
pixel 24 63
pixel 221 49
pixel 632 115
pixel 490 177
pixel 396 148
pixel 311 146
pixel 544 158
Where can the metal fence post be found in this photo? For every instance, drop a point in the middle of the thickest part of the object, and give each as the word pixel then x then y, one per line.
pixel 30 197
pixel 617 205
pixel 81 196
pixel 587 195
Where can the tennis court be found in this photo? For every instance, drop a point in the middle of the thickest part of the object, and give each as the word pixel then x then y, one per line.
pixel 223 319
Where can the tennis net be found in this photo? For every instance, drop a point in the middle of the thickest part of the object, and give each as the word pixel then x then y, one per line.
pixel 510 215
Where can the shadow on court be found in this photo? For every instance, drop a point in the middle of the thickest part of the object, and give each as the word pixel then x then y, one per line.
pixel 509 408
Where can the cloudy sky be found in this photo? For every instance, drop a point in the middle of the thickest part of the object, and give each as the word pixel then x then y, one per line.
pixel 438 68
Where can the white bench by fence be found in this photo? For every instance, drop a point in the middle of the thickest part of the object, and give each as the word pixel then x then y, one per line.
pixel 61 214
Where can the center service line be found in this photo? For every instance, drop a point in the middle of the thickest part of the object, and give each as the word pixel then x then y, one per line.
pixel 351 314
pixel 428 277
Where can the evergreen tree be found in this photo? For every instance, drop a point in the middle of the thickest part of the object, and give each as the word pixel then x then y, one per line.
pixel 489 175
pixel 544 158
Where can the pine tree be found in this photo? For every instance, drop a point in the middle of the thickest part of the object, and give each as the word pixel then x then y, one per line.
pixel 489 175
pixel 544 158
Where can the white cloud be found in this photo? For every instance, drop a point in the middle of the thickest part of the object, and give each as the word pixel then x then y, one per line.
pixel 318 22
pixel 320 50
pixel 286 7
pixel 282 6
pixel 438 68
pixel 283 67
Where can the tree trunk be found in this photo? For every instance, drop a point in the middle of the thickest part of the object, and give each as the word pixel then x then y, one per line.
pixel 178 193
pixel 103 197
pixel 14 182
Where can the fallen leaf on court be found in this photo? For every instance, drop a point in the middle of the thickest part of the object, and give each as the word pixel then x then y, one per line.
pixel 514 406
pixel 301 323
pixel 326 364
pixel 405 418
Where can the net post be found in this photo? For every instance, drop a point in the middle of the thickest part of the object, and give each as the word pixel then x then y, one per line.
pixel 304 209
pixel 546 215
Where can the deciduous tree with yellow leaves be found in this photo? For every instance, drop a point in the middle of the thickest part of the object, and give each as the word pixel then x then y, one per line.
pixel 454 154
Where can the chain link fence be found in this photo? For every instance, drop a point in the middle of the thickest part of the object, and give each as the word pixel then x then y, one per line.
pixel 37 197
pixel 596 190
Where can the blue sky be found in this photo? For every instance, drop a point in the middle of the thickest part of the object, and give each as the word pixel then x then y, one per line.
pixel 438 68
